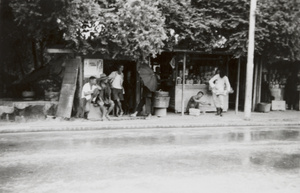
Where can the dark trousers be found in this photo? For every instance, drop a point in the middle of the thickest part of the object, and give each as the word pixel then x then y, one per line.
pixel 141 104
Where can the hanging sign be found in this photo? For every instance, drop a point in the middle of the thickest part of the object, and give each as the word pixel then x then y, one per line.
pixel 93 67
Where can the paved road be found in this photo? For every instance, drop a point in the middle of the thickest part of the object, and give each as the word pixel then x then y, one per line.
pixel 226 160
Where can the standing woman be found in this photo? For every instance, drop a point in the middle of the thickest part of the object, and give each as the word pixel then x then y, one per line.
pixel 220 88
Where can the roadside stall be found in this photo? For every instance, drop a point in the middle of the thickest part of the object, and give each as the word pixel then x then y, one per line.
pixel 36 95
pixel 189 72
pixel 282 79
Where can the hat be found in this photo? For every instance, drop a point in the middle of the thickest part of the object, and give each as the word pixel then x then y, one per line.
pixel 103 77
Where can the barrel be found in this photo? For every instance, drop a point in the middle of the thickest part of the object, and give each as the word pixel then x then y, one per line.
pixel 161 102
pixel 161 94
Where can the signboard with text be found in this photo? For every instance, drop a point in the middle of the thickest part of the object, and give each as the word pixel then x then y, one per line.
pixel 93 67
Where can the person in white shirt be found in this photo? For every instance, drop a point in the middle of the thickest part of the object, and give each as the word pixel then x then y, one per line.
pixel 220 88
pixel 117 79
pixel 87 94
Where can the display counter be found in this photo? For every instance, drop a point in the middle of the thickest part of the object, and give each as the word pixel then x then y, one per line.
pixel 191 90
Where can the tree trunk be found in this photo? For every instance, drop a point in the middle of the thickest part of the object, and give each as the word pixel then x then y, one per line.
pixel 33 49
pixel 42 53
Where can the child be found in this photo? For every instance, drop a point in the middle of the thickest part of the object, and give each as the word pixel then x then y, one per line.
pixel 197 102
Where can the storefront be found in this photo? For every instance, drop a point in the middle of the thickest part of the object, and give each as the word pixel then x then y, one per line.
pixel 94 65
pixel 185 73
pixel 280 85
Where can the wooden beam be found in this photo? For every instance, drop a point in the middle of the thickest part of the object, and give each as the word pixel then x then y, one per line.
pixel 68 88
pixel 59 51
pixel 183 84
pixel 80 112
pixel 198 52
pixel 238 87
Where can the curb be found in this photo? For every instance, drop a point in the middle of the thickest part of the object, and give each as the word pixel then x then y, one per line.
pixel 40 128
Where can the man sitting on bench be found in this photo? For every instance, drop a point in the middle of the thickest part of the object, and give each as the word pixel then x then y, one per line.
pixel 104 97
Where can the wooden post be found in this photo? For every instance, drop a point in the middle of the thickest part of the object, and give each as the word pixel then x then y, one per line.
pixel 138 85
pixel 255 85
pixel 238 87
pixel 183 84
pixel 80 110
pixel 299 102
pixel 259 80
pixel 249 76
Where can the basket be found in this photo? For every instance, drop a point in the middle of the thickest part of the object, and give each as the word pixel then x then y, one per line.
pixel 193 111
pixel 263 107
pixel 161 102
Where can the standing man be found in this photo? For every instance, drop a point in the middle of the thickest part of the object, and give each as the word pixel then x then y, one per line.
pixel 117 79
pixel 291 90
pixel 220 88
pixel 86 95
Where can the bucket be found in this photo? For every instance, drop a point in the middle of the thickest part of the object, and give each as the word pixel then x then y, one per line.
pixel 263 107
pixel 161 102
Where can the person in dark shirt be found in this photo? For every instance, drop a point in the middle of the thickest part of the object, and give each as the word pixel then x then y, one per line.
pixel 291 90
pixel 146 94
pixel 129 86
pixel 196 101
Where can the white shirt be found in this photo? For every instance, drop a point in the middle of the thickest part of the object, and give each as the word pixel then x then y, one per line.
pixel 220 85
pixel 117 80
pixel 87 88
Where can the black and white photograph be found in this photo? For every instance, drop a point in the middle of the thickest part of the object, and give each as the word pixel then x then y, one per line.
pixel 149 96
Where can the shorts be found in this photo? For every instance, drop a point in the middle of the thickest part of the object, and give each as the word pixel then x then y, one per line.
pixel 117 94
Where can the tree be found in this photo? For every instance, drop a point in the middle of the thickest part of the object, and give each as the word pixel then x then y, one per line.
pixel 15 49
pixel 280 23
pixel 277 26
pixel 131 28
pixel 140 28
pixel 188 26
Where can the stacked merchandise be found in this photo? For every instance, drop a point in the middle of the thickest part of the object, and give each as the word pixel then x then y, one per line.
pixel 200 75
pixel 277 81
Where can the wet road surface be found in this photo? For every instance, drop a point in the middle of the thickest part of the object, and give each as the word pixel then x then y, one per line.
pixel 226 160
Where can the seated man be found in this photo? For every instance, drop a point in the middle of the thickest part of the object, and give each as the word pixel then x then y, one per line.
pixel 86 95
pixel 197 102
pixel 104 97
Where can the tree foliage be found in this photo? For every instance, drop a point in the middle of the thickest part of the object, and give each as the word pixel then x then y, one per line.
pixel 140 28
pixel 131 28
pixel 277 26
pixel 279 23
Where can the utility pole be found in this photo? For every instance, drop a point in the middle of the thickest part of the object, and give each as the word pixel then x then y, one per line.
pixel 250 59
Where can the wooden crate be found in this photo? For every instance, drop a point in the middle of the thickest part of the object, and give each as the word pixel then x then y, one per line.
pixel 278 105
